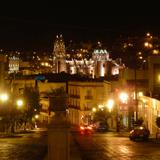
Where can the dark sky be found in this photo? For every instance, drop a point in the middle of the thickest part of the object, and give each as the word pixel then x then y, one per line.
pixel 29 26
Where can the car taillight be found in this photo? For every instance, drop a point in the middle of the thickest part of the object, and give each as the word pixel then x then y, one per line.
pixel 90 128
pixel 131 131
pixel 82 128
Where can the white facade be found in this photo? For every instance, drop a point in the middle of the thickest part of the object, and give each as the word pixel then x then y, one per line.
pixel 13 64
pixel 149 110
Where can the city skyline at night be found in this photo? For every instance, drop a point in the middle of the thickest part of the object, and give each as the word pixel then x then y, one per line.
pixel 33 26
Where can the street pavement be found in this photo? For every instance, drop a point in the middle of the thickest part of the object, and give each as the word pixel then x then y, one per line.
pixel 28 146
pixel 116 146
pixel 97 146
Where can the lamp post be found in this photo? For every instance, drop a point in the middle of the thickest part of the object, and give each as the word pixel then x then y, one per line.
pixel 123 98
pixel 19 103
pixel 3 97
pixel 110 104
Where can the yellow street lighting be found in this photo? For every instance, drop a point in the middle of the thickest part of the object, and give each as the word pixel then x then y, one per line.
pixel 155 51
pixel 94 109
pixel 146 44
pixel 123 97
pixel 148 34
pixel 36 116
pixel 3 97
pixel 110 104
pixel 100 106
pixel 19 103
pixel 140 94
pixel 159 78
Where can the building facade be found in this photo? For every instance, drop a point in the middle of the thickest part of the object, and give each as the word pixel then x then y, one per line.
pixel 83 96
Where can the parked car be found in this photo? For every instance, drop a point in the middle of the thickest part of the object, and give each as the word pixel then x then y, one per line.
pixel 86 129
pixel 139 132
pixel 102 127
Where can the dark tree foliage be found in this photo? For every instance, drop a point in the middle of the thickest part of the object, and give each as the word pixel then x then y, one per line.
pixel 32 106
pixel 158 122
pixel 101 115
pixel 139 122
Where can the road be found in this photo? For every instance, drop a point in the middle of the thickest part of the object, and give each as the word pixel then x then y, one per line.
pixel 112 147
pixel 29 146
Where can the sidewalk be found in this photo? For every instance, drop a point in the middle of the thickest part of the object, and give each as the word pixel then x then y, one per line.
pixel 74 152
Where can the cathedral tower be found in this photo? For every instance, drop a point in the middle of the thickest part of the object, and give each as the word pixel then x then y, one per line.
pixel 101 61
pixel 59 55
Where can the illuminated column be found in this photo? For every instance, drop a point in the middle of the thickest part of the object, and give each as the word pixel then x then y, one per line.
pixel 100 69
pixel 61 66
pixel 2 69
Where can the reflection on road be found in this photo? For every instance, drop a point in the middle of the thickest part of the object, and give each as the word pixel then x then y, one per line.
pixel 110 147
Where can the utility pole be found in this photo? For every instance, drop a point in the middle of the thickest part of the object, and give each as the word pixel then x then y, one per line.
pixel 136 103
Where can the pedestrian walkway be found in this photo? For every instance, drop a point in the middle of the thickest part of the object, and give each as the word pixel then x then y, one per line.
pixel 74 151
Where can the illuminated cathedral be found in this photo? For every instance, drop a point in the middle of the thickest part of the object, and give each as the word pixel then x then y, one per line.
pixel 99 65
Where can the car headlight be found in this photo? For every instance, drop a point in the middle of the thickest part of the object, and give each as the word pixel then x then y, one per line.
pixel 131 131
pixel 141 128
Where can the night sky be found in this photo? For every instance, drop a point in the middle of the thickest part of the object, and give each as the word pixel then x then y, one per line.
pixel 29 26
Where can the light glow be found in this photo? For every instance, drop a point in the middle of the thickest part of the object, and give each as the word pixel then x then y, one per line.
pixel 19 103
pixel 3 97
pixel 110 104
pixel 123 97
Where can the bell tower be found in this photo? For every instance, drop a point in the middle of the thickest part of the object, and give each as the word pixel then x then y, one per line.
pixel 101 60
pixel 59 55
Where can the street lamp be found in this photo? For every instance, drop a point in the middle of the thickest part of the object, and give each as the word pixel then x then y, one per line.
pixel 110 104
pixel 123 97
pixel 3 97
pixel 94 109
pixel 19 103
pixel 36 116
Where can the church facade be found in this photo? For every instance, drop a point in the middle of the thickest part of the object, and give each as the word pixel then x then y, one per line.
pixel 99 65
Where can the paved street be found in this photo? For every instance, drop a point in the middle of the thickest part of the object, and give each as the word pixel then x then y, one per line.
pixel 111 147
pixel 30 146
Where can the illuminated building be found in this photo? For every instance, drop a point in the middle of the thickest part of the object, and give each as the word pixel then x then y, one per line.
pixel 99 65
pixel 3 61
pixel 13 64
pixel 59 55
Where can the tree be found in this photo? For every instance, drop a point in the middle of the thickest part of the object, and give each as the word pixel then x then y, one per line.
pixel 101 115
pixel 158 125
pixel 139 122
pixel 31 96
pixel 158 122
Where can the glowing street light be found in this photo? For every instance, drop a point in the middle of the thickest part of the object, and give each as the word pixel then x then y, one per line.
pixel 36 116
pixel 19 103
pixel 94 109
pixel 123 97
pixel 110 104
pixel 100 106
pixel 3 97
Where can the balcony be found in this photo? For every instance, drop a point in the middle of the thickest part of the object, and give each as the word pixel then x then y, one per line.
pixel 72 106
pixel 88 97
pixel 74 96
